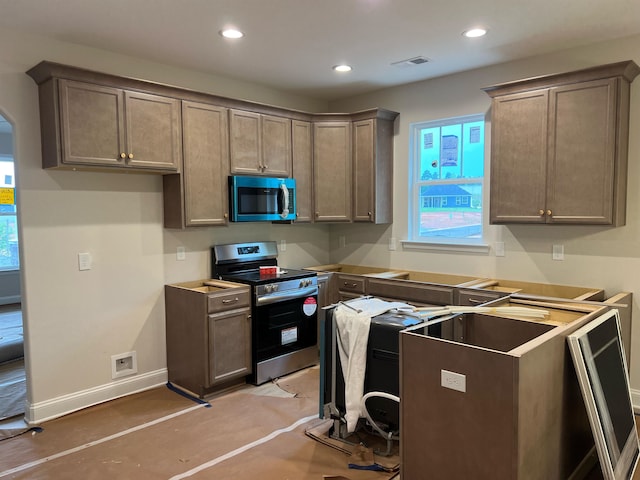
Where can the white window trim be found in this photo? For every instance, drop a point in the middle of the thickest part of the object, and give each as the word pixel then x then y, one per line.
pixel 457 245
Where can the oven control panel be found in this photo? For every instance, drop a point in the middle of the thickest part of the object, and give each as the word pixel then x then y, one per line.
pixel 302 285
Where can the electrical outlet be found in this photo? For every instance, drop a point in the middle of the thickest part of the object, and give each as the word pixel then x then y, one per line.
pixel 180 253
pixel 342 241
pixel 124 364
pixel 392 243
pixel 499 249
pixel 453 380
pixel 283 245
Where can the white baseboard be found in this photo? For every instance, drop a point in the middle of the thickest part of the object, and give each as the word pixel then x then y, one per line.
pixel 39 412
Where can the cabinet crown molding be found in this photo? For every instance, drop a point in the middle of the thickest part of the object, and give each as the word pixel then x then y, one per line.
pixel 46 70
pixel 628 70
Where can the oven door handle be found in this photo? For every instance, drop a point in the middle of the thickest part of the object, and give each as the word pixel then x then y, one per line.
pixel 286 295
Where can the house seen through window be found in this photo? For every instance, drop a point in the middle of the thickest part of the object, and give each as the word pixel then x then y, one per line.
pixel 446 180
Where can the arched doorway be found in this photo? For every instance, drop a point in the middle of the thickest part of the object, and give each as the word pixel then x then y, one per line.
pixel 12 372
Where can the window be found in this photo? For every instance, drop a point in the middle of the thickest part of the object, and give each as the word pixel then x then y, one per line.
pixel 446 180
pixel 9 259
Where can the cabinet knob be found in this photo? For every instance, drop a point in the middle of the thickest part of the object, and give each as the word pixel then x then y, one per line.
pixel 130 155
pixel 226 215
pixel 549 213
pixel 317 214
pixel 540 212
pixel 370 214
pixel 123 155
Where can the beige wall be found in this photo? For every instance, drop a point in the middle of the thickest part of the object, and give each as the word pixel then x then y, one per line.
pixel 75 321
pixel 594 256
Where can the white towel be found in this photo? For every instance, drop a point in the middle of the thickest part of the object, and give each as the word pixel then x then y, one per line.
pixel 353 326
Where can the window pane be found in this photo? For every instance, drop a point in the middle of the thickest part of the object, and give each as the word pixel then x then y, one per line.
pixel 451 210
pixel 447 190
pixel 8 243
pixel 9 259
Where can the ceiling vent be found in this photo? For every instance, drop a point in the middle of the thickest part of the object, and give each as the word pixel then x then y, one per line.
pixel 411 61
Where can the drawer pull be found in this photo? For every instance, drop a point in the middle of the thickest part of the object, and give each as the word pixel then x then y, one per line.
pixel 230 300
pixel 352 285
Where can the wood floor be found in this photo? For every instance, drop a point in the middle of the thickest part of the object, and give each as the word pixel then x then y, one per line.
pixel 160 434
pixel 253 433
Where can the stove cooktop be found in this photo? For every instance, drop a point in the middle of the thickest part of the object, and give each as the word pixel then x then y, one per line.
pixel 253 277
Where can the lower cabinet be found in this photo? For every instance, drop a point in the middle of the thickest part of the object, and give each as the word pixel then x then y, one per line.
pixel 327 289
pixel 416 293
pixel 229 359
pixel 208 335
pixel 494 398
pixel 350 286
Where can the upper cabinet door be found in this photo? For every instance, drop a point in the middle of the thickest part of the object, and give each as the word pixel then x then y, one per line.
pixel 206 164
pixel 245 142
pixel 93 120
pixel 276 146
pixel 153 131
pixel 582 149
pixel 519 129
pixel 92 124
pixel 259 144
pixel 559 146
pixel 332 171
pixel 364 151
pixel 302 153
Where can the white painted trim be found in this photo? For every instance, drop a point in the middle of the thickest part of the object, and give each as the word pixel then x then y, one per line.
pixel 635 400
pixel 452 247
pixel 39 412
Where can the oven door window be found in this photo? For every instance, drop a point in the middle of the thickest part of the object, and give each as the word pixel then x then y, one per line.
pixel 284 327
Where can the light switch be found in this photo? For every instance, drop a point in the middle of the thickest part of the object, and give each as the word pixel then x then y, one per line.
pixel 180 253
pixel 499 249
pixel 84 261
pixel 558 252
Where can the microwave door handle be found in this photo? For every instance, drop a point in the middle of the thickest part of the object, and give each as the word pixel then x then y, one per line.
pixel 285 203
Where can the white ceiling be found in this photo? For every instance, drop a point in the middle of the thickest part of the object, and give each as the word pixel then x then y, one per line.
pixel 292 44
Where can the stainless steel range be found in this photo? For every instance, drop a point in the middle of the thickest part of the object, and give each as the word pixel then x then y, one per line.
pixel 284 307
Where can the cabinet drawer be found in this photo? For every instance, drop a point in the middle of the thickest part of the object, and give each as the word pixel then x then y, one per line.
pixel 228 300
pixel 408 291
pixel 351 283
pixel 477 297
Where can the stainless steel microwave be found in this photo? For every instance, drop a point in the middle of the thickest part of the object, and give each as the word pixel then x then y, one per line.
pixel 261 199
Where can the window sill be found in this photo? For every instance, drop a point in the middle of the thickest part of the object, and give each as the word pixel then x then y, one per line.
pixel 452 247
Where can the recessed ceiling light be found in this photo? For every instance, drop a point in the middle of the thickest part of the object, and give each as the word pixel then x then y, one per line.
pixel 342 68
pixel 231 33
pixel 475 32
